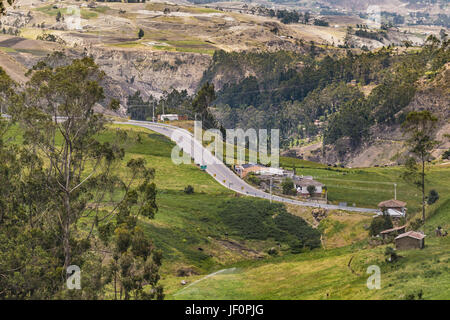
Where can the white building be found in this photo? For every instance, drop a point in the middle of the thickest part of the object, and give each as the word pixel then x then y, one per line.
pixel 169 117
pixel 270 171
pixel 301 184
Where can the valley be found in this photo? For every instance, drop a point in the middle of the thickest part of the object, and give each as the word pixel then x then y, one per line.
pixel 91 93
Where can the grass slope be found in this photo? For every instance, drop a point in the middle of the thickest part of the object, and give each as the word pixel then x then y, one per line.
pixel 186 223
pixel 324 274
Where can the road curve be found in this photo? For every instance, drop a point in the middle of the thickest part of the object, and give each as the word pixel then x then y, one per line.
pixel 219 171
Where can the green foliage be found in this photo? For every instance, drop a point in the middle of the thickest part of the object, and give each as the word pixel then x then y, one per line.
pixel 370 35
pixel 416 224
pixel 288 187
pixel 58 16
pixel 446 154
pixel 419 128
pixel 311 190
pixel 280 95
pixel 137 108
pixel 416 295
pixel 253 179
pixel 379 224
pixel 390 254
pixel 59 181
pixel 297 232
pixel 433 196
pixel 141 33
pixel 170 102
pixel 321 22
pixel 287 16
pixel 189 189
pixel 352 121
pixel 201 104
pixel 135 263
pixel 256 219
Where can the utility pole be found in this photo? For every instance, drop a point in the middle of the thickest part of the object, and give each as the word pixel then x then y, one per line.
pixel 153 118
pixel 271 189
pixel 395 191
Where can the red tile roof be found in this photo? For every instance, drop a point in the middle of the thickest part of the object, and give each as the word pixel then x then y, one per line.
pixel 412 234
pixel 392 204
pixel 307 182
pixel 393 229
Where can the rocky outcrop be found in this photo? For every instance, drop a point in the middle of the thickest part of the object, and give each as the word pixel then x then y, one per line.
pixel 151 72
pixel 127 70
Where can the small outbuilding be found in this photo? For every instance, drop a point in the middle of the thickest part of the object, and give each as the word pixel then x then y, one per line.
pixel 410 240
pixel 393 231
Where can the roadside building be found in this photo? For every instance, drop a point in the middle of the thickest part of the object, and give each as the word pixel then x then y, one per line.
pixel 301 184
pixel 393 231
pixel 167 117
pixel 244 169
pixel 393 208
pixel 270 171
pixel 410 240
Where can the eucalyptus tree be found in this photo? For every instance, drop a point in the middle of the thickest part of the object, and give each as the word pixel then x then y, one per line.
pixel 56 113
pixel 419 128
pixel 29 261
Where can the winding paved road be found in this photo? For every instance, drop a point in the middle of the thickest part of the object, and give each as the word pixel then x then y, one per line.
pixel 219 171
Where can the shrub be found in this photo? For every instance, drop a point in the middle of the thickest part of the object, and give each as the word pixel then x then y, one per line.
pixel 189 189
pixel 253 179
pixel 273 251
pixel 412 295
pixel 433 196
pixel 379 224
pixel 390 254
pixel 288 187
pixel 446 154
pixel 261 220
pixel 311 190
pixel 141 33
pixel 416 224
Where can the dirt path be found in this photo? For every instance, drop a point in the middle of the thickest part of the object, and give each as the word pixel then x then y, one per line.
pixel 14 69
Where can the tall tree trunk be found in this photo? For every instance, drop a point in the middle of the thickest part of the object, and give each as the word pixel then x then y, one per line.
pixel 423 191
pixel 66 232
pixel 115 285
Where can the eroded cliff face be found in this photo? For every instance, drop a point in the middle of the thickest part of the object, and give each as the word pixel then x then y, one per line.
pixel 127 70
pixel 150 72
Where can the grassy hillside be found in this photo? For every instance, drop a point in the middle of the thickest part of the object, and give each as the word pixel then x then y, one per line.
pixel 193 233
pixel 365 187
pixel 187 222
pixel 324 274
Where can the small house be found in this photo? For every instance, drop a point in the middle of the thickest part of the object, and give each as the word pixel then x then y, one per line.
pixel 393 231
pixel 245 169
pixel 169 117
pixel 393 208
pixel 302 184
pixel 410 240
